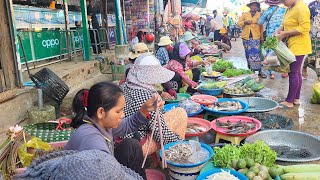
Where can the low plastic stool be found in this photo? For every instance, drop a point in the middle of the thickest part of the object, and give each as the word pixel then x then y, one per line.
pixel 233 139
pixel 209 114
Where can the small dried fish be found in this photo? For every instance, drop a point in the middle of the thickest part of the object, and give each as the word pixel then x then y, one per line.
pixel 237 127
pixel 179 153
pixel 195 128
pixel 226 106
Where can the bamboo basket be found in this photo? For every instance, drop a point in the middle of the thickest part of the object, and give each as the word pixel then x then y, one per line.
pixel 6 95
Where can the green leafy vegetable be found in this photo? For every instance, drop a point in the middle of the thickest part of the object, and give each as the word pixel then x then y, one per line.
pixel 222 65
pixel 224 156
pixel 236 72
pixel 270 43
pixel 258 151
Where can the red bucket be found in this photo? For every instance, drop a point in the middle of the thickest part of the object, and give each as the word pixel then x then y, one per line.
pixel 153 174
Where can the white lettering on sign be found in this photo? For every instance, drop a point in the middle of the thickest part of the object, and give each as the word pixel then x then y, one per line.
pixel 77 38
pixel 111 34
pixel 50 43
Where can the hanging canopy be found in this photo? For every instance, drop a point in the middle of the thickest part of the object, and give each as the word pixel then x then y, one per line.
pixel 194 3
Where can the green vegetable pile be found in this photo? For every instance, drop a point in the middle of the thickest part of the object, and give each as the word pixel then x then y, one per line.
pixel 258 151
pixel 316 93
pixel 285 56
pixel 270 43
pixel 256 171
pixel 236 72
pixel 222 65
pixel 212 85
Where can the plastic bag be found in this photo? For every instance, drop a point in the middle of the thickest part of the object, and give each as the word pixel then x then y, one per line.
pixel 190 106
pixel 209 69
pixel 198 154
pixel 26 156
pixel 271 59
pixel 279 69
pixel 316 93
pixel 285 56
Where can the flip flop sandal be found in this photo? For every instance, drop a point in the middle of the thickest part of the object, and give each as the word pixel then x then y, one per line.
pixel 284 75
pixel 283 106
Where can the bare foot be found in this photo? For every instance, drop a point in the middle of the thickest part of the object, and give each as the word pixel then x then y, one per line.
pixel 304 73
pixel 296 102
pixel 272 76
pixel 284 75
pixel 285 105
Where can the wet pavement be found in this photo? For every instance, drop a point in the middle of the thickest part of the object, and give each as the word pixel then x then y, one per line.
pixel 306 116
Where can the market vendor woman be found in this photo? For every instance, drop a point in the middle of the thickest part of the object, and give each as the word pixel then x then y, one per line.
pixel 251 36
pixel 98 119
pixel 187 74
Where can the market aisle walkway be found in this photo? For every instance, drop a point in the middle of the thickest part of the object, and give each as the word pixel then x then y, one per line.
pixel 306 116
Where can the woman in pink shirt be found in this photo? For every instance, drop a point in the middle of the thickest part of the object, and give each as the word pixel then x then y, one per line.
pixel 187 75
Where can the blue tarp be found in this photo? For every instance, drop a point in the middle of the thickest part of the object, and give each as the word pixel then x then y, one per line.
pixel 193 3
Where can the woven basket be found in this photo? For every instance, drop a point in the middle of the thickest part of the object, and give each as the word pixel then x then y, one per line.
pixel 47 131
pixel 118 72
pixel 6 95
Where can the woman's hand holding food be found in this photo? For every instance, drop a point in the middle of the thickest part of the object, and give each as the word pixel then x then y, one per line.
pixel 173 93
pixel 166 95
pixel 282 35
pixel 194 85
pixel 152 104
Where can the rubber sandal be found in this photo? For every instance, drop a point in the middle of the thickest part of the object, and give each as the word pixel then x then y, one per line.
pixel 282 106
pixel 263 75
pixel 284 75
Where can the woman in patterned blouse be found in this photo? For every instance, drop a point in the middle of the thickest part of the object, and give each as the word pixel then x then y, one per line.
pixel 165 45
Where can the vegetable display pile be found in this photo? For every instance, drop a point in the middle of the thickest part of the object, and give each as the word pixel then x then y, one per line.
pixel 236 72
pixel 222 65
pixel 258 151
pixel 212 85
pixel 256 171
pixel 246 86
pixel 316 93
pixel 285 56
pixel 301 172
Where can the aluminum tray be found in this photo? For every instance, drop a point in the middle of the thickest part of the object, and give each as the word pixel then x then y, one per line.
pixel 305 146
pixel 258 104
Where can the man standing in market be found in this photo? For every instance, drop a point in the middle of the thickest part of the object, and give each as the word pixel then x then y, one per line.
pixel 93 26
pixel 217 24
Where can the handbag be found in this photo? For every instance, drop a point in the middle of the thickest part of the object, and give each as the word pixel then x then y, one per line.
pixel 265 32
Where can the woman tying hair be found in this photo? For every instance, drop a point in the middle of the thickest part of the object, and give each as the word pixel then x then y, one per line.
pixel 187 75
pixel 140 86
pixel 98 119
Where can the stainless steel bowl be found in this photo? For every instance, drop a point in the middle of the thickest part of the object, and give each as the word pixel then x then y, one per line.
pixel 258 104
pixel 291 146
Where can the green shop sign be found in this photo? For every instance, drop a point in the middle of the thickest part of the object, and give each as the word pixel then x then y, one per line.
pixel 45 44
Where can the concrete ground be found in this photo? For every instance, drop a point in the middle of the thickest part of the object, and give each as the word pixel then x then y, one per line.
pixel 306 116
